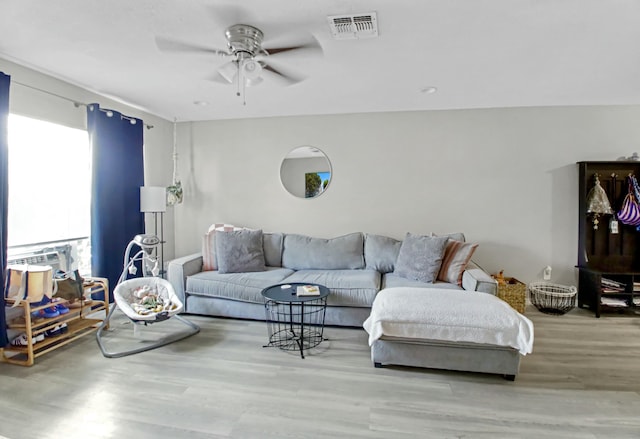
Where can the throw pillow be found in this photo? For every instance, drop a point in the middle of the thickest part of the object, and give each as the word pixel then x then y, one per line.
pixel 209 245
pixel 240 251
pixel 420 257
pixel 457 255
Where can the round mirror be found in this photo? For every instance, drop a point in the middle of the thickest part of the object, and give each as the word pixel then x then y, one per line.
pixel 305 172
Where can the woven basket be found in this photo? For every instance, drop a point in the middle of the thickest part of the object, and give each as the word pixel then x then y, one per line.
pixel 514 293
pixel 552 298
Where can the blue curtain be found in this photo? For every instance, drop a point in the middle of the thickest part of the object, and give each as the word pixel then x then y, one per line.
pixel 117 174
pixel 5 81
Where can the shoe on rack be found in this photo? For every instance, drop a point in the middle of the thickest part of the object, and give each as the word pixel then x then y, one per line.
pixel 53 331
pixel 64 328
pixel 50 312
pixel 61 308
pixel 21 340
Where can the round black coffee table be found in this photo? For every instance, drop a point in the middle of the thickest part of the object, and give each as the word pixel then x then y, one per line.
pixel 294 322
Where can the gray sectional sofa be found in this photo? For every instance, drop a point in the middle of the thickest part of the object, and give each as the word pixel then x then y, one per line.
pixel 355 267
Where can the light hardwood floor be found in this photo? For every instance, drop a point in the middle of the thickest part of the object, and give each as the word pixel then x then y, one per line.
pixel 582 381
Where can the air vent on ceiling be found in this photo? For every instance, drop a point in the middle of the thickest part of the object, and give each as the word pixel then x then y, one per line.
pixel 354 26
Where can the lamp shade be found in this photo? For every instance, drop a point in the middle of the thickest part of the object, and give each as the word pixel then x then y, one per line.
pixel 153 199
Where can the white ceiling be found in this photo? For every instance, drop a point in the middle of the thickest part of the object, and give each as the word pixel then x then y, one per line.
pixel 478 53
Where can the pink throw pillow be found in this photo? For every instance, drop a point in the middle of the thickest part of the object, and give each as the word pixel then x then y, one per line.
pixel 457 255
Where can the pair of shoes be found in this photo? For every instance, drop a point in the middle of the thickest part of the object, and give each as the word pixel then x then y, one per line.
pixel 62 308
pixel 47 312
pixel 57 330
pixel 21 340
pixel 50 312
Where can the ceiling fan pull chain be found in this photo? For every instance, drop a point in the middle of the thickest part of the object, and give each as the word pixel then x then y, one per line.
pixel 242 81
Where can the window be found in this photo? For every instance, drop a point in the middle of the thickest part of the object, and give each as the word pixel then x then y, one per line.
pixel 49 188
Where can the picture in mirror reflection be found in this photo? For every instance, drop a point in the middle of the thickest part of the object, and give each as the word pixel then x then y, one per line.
pixel 315 183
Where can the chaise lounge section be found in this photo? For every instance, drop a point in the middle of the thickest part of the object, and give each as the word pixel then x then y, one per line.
pixel 447 329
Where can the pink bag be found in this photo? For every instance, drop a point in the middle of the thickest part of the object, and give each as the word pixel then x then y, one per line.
pixel 630 211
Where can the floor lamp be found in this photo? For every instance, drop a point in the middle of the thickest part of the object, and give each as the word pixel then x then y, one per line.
pixel 153 199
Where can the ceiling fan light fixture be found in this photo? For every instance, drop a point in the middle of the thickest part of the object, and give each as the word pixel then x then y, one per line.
pixel 252 70
pixel 229 71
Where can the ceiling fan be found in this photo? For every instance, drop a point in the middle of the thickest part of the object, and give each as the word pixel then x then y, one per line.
pixel 251 62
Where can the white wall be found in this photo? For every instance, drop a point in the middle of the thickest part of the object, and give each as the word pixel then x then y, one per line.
pixel 507 178
pixel 26 101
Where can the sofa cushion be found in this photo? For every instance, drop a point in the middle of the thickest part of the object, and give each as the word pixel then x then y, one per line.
pixel 456 256
pixel 302 252
pixel 420 257
pixel 272 244
pixel 240 251
pixel 391 280
pixel 245 287
pixel 348 287
pixel 381 252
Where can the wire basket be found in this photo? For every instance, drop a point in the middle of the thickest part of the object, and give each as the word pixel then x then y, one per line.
pixel 552 298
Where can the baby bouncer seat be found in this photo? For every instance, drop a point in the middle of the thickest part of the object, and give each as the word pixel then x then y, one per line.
pixel 145 300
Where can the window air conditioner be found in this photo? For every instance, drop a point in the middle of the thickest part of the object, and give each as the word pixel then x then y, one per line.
pixel 42 258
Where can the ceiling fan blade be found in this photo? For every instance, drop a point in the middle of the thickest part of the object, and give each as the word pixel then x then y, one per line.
pixel 311 46
pixel 169 45
pixel 288 78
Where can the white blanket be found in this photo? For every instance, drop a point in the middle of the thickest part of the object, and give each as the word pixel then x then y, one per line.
pixel 449 315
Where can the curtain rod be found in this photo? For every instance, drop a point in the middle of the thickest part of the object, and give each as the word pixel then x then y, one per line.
pixel 75 103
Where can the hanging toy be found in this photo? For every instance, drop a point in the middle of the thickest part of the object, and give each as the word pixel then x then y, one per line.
pixel 597 202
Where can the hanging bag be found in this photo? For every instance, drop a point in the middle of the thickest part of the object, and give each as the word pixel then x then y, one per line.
pixel 633 182
pixel 630 211
pixel 70 287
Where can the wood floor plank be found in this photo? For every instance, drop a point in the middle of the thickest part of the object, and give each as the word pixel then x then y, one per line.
pixel 582 381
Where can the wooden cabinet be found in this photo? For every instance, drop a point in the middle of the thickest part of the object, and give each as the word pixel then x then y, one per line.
pixel 80 321
pixel 608 259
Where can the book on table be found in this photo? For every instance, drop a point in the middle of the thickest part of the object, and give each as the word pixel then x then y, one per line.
pixel 308 290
